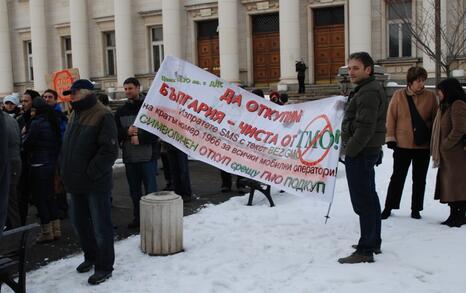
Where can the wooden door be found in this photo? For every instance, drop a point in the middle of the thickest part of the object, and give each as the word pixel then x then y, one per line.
pixel 208 53
pixel 266 48
pixel 329 43
pixel 266 52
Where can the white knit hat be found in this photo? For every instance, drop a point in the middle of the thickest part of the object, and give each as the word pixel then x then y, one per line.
pixel 13 98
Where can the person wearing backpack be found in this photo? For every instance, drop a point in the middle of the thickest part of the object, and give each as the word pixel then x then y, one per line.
pixel 410 115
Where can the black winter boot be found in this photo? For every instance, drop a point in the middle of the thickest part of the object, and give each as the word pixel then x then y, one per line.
pixel 463 214
pixel 99 277
pixel 450 217
pixel 457 218
pixel 386 213
pixel 415 214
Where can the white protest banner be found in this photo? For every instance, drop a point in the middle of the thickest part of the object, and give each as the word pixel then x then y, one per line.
pixel 292 147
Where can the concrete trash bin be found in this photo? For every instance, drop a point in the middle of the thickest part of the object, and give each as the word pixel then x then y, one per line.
pixel 161 223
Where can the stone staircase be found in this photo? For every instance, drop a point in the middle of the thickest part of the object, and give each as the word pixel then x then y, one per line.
pixel 115 104
pixel 313 92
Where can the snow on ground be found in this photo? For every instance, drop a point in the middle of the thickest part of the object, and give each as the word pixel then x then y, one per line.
pixel 235 248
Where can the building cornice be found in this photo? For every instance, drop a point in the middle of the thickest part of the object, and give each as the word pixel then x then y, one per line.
pixel 202 10
pixel 22 30
pixel 101 19
pixel 150 13
pixel 254 5
pixel 62 25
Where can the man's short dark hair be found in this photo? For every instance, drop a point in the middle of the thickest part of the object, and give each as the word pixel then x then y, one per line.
pixel 51 91
pixel 415 73
pixel 32 93
pixel 365 59
pixel 132 80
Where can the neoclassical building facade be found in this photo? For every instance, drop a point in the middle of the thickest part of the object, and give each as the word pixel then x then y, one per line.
pixel 252 42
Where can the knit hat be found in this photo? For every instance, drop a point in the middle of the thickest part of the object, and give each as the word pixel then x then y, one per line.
pixel 78 85
pixel 13 98
pixel 274 96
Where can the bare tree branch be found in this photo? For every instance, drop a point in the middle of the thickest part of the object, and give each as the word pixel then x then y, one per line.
pixel 452 33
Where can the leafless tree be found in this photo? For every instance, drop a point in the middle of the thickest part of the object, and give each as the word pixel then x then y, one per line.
pixel 444 41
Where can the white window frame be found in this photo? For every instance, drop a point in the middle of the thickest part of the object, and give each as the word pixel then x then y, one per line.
pixel 109 48
pixel 28 59
pixel 153 44
pixel 399 23
pixel 67 53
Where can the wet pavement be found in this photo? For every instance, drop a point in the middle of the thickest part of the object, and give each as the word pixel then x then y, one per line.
pixel 205 181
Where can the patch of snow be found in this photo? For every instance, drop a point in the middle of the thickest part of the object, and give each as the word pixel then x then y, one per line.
pixel 232 247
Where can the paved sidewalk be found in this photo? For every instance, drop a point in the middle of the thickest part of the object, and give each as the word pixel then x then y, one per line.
pixel 205 182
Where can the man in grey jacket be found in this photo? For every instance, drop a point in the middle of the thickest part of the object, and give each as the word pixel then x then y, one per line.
pixel 139 147
pixel 363 134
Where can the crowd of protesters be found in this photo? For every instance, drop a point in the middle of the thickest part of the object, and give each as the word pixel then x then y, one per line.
pixel 50 154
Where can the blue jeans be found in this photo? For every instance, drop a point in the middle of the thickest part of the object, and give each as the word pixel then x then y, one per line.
pixel 91 217
pixel 179 172
pixel 361 182
pixel 138 174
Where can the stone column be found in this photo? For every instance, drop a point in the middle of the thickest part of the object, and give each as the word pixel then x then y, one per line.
pixel 289 40
pixel 228 40
pixel 39 43
pixel 360 28
pixel 171 21
pixel 80 37
pixel 6 69
pixel 123 39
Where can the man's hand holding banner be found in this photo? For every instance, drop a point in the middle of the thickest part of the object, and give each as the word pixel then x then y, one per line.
pixel 293 147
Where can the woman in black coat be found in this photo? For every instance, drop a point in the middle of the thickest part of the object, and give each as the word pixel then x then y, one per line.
pixel 42 143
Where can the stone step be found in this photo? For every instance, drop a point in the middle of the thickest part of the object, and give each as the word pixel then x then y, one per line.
pixel 115 104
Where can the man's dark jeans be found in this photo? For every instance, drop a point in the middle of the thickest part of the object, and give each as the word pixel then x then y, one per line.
pixel 91 218
pixel 179 172
pixel 361 182
pixel 138 174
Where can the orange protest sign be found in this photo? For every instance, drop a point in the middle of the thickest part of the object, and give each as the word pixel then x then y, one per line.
pixel 61 81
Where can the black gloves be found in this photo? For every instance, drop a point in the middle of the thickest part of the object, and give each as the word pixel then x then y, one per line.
pixel 391 145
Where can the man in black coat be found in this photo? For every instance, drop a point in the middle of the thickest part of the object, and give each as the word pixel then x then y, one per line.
pixel 89 151
pixel 301 70
pixel 4 173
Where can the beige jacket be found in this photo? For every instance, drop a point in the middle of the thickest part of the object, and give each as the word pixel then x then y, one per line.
pixel 399 126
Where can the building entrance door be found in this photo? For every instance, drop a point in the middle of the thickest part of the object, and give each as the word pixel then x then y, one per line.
pixel 266 49
pixel 329 43
pixel 208 54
